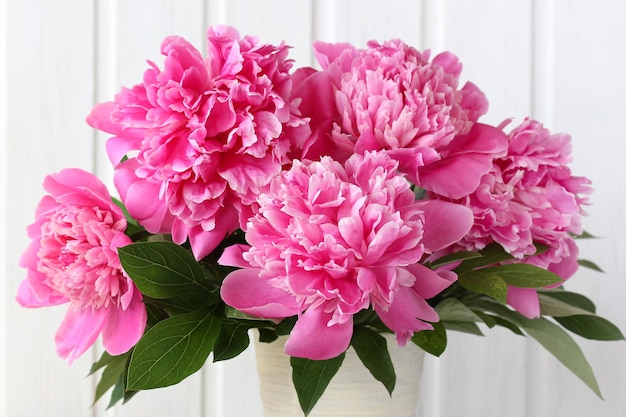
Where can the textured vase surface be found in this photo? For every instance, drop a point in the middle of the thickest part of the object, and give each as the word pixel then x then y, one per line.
pixel 352 392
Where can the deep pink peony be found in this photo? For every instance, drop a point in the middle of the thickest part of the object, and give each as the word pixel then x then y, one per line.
pixel 392 97
pixel 207 132
pixel 330 241
pixel 73 259
pixel 530 196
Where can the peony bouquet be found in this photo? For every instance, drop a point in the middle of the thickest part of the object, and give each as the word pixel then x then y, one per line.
pixel 329 205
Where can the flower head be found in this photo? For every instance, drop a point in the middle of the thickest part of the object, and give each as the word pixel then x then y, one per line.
pixel 392 97
pixel 530 196
pixel 331 240
pixel 73 259
pixel 208 132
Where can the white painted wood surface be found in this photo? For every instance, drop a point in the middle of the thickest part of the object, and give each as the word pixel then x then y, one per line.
pixel 561 61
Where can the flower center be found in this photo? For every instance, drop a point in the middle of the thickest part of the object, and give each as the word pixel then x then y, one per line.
pixel 77 258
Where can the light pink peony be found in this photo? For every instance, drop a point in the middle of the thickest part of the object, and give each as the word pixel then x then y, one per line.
pixel 530 196
pixel 392 97
pixel 330 241
pixel 73 259
pixel 208 132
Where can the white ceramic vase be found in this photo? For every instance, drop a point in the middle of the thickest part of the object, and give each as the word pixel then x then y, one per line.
pixel 353 392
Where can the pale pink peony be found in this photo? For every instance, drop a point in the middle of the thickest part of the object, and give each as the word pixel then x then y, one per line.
pixel 73 259
pixel 392 97
pixel 330 241
pixel 208 132
pixel 530 196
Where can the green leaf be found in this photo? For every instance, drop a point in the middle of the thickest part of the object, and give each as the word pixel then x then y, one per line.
pixel 591 327
pixel 554 307
pixel 571 298
pixel 463 326
pixel 284 327
pixel 310 379
pixel 589 264
pixel 104 360
pixel 523 275
pixel 113 371
pixel 452 309
pixel 232 340
pixel 555 340
pixel 162 269
pixel 482 283
pixel 371 347
pixel 267 335
pixel 432 341
pixel 563 347
pixel 491 254
pixel 507 324
pixel 172 350
pixel 119 393
pixel 185 302
pixel 454 257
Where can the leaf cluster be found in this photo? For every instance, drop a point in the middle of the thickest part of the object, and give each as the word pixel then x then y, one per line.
pixel 188 321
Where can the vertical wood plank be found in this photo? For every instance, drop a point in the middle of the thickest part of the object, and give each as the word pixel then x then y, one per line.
pixel 4 197
pixel 130 33
pixel 588 72
pixel 554 59
pixel 357 21
pixel 49 62
pixel 486 376
pixel 539 378
pixel 273 21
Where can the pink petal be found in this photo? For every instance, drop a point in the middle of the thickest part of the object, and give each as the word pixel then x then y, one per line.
pixel 313 338
pixel 32 293
pixel 524 300
pixel 404 314
pixel 449 62
pixel 123 328
pixel 430 283
pixel 79 330
pixel 325 53
pixel 233 256
pixel 455 176
pixel 465 160
pixel 203 242
pixel 315 90
pixel 124 140
pixel 244 290
pixel 445 223
pixel 141 198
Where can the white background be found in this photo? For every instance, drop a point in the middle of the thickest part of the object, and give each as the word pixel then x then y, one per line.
pixel 561 61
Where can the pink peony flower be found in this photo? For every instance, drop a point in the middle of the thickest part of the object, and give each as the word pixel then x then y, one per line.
pixel 73 259
pixel 392 97
pixel 329 241
pixel 209 133
pixel 530 196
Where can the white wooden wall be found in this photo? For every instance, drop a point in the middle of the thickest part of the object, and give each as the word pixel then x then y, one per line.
pixel 562 61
